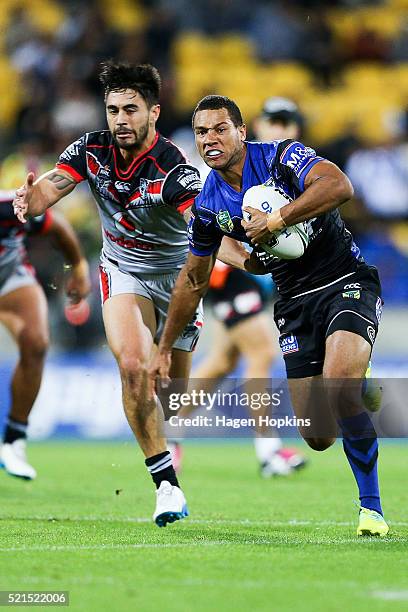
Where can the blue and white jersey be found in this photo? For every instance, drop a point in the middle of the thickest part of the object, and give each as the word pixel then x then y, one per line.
pixel 217 212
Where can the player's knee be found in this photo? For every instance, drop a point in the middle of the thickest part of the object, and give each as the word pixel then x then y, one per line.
pixel 132 368
pixel 320 444
pixel 33 346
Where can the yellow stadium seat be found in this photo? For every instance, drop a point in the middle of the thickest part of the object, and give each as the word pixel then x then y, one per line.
pixel 234 49
pixel 192 47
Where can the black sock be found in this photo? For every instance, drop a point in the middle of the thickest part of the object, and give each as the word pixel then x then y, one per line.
pixel 14 430
pixel 161 468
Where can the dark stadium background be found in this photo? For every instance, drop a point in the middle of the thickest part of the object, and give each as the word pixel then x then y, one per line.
pixel 346 65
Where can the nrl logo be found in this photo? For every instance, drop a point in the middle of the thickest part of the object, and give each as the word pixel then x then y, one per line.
pixel 225 222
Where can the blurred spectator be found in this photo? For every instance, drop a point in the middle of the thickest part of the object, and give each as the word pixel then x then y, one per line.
pixel 380 174
pixel 280 118
pixel 76 111
pixel 276 31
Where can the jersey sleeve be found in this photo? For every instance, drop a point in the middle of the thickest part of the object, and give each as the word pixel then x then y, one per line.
pixel 73 160
pixel 181 185
pixel 203 236
pixel 40 225
pixel 293 161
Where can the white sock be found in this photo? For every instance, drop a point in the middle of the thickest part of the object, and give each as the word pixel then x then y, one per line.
pixel 266 447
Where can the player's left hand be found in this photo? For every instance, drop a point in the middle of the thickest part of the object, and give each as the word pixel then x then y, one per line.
pixel 260 225
pixel 159 371
pixel 78 284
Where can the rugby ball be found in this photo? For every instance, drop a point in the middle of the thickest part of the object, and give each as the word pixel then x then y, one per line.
pixel 289 243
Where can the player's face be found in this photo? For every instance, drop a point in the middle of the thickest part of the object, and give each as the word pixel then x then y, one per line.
pixel 129 118
pixel 219 142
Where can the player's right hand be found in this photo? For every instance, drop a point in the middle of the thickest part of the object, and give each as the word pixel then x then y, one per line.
pixel 159 371
pixel 23 197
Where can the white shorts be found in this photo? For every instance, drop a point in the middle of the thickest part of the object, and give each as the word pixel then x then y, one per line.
pixel 22 276
pixel 154 287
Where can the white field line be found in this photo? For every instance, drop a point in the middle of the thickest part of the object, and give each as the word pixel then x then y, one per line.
pixel 215 521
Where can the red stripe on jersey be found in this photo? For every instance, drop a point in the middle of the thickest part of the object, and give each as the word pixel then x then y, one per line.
pixel 135 196
pixel 48 219
pixel 183 207
pixel 75 175
pixel 138 160
pixel 103 275
pixel 284 152
pixel 155 186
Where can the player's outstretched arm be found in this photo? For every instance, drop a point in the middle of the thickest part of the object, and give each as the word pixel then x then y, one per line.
pixel 190 287
pixel 78 283
pixel 35 196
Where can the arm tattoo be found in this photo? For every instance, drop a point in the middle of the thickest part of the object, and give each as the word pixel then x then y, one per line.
pixel 60 181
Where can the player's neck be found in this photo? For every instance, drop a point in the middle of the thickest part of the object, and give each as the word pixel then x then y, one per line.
pixel 128 155
pixel 233 174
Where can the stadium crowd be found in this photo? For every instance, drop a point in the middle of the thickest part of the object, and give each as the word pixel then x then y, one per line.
pixel 346 66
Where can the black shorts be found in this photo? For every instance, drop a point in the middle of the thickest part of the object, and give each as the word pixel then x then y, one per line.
pixel 351 304
pixel 240 298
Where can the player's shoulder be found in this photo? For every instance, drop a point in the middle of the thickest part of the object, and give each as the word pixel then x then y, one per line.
pixel 99 138
pixel 168 154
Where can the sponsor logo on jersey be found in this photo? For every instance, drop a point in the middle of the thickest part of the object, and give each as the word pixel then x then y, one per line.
pixel 352 294
pixel 129 243
pixel 281 323
pixel 371 333
pixel 72 151
pixel 352 286
pixel 225 222
pixel 289 344
pixel 122 186
pixel 189 179
pixel 295 157
pixel 126 225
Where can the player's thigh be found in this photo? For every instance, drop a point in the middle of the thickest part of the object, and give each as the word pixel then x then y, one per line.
pixel 254 338
pixel 24 312
pixel 347 355
pixel 130 326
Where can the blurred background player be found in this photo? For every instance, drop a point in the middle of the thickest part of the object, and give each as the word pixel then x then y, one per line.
pixel 23 311
pixel 241 328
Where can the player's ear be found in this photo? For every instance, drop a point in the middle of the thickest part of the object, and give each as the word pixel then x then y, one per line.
pixel 154 113
pixel 243 131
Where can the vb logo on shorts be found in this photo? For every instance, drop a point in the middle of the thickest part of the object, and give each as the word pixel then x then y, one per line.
pixel 289 344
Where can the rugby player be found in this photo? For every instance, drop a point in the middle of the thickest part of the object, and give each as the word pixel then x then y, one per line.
pixel 330 299
pixel 143 185
pixel 23 310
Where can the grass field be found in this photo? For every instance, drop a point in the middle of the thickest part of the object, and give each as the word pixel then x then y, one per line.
pixel 282 544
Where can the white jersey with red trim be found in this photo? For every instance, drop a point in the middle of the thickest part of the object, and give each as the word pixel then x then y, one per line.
pixel 12 235
pixel 141 208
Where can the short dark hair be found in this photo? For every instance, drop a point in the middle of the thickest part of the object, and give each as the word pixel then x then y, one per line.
pixel 145 79
pixel 214 102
